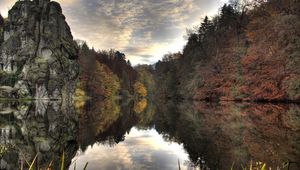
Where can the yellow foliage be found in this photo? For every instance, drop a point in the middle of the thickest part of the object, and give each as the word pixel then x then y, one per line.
pixel 79 97
pixel 107 81
pixel 140 89
pixel 79 93
pixel 79 104
pixel 105 114
pixel 140 106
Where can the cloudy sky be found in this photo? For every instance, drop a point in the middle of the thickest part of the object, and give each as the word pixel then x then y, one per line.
pixel 144 30
pixel 142 149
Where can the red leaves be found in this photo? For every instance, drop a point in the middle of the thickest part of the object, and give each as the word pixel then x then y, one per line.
pixel 264 71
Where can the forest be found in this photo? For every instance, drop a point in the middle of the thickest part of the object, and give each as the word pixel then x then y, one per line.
pixel 228 100
pixel 248 52
pixel 107 74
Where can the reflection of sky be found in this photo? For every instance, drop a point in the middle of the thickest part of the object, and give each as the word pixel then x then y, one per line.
pixel 142 149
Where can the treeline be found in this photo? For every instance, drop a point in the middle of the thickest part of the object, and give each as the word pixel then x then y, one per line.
pixel 146 79
pixel 116 61
pixel 107 122
pixel 96 79
pixel 250 51
pixel 107 74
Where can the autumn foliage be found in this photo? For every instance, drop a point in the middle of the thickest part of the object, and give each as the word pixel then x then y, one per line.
pixel 117 63
pixel 233 133
pixel 140 105
pixel 104 82
pixel 105 74
pixel 139 89
pixel 250 51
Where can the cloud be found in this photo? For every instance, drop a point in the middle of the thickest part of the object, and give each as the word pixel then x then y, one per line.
pixel 142 149
pixel 136 27
pixel 5 5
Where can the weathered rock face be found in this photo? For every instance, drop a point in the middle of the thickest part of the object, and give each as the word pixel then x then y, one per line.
pixel 38 57
pixel 42 128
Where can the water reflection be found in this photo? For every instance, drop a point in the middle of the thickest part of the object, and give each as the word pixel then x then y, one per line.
pixel 142 149
pixel 36 129
pixel 216 136
pixel 123 137
pixel 142 135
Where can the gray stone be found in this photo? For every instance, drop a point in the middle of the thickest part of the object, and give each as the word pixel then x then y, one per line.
pixel 3 164
pixel 22 89
pixel 44 146
pixel 39 51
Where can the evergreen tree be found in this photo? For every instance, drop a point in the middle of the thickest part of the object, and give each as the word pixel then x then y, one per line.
pixel 1 21
pixel 205 28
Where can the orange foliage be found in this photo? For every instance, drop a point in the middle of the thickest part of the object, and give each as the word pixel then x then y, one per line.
pixel 140 106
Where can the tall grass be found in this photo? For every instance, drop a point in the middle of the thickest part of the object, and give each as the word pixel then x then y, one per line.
pixel 260 166
pixel 62 164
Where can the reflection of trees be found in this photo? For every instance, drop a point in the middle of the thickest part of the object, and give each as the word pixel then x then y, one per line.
pixel 146 116
pixel 41 128
pixel 140 106
pixel 166 118
pixel 139 90
pixel 108 121
pixel 105 122
pixel 97 117
pixel 216 135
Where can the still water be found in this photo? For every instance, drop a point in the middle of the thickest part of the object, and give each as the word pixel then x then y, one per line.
pixel 142 135
pixel 142 149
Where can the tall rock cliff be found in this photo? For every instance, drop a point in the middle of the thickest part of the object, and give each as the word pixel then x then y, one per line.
pixel 38 56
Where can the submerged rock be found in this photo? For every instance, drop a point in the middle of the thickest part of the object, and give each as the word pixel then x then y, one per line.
pixel 38 56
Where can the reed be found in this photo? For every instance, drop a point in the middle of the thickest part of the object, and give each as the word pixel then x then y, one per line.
pixel 259 166
pixel 62 164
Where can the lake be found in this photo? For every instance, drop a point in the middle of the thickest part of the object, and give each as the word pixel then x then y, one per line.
pixel 144 135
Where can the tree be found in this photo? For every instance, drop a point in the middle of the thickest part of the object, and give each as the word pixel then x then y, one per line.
pixel 117 63
pixel 146 77
pixel 1 20
pixel 140 105
pixel 240 6
pixel 120 55
pixel 192 40
pixel 113 62
pixel 87 63
pixel 1 28
pixel 227 17
pixel 204 29
pixel 139 89
pixel 104 82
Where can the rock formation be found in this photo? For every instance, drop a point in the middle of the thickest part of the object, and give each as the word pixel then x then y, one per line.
pixel 41 128
pixel 38 56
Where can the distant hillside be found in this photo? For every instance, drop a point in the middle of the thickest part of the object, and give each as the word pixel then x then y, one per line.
pixel 251 51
